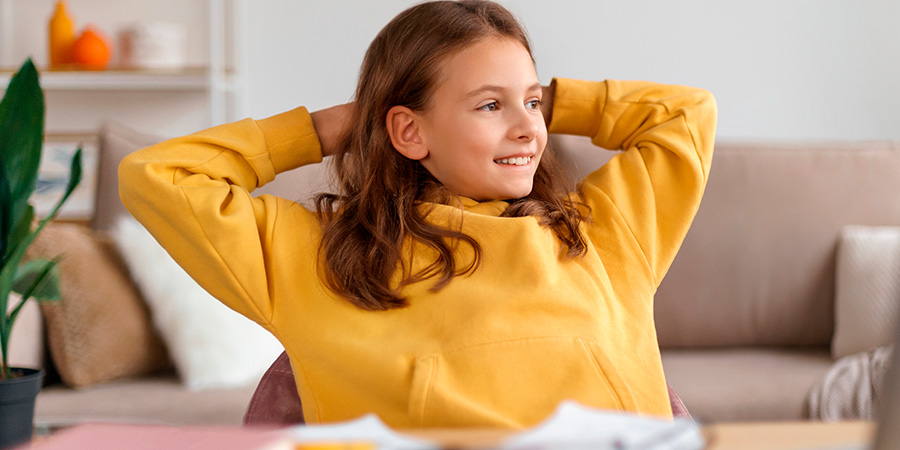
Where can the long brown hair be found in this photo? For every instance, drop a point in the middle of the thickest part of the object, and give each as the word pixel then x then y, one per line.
pixel 379 190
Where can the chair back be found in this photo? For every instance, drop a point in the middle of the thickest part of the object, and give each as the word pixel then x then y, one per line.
pixel 276 401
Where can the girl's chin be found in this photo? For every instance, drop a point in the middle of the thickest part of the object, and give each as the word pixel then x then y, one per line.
pixel 507 192
pixel 516 193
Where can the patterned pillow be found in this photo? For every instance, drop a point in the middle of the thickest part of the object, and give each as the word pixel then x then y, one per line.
pixel 867 289
pixel 101 329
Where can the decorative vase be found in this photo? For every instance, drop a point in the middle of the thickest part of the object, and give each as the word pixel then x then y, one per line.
pixel 61 35
pixel 17 396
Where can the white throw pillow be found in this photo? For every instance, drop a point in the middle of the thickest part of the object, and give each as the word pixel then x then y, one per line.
pixel 867 289
pixel 211 345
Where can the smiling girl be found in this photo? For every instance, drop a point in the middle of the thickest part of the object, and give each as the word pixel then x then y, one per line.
pixel 453 279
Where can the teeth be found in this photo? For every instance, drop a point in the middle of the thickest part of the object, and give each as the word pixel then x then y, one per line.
pixel 521 161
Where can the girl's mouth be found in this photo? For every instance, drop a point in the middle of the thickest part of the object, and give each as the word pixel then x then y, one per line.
pixel 520 161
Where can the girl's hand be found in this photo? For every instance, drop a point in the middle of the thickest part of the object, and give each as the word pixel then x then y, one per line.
pixel 547 102
pixel 330 124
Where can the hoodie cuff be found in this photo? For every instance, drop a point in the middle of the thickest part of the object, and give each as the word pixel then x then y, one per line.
pixel 291 139
pixel 577 107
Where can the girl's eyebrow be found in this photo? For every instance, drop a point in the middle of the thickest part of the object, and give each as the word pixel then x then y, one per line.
pixel 498 89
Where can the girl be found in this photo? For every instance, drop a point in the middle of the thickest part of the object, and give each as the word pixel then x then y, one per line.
pixel 453 280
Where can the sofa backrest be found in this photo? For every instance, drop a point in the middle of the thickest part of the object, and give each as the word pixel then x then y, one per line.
pixel 757 266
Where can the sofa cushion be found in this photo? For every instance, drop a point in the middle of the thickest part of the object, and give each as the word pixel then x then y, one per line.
pixel 867 289
pixel 211 345
pixel 151 400
pixel 748 384
pixel 301 184
pixel 116 142
pixel 100 330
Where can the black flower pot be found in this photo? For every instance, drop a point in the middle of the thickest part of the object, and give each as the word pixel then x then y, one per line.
pixel 17 397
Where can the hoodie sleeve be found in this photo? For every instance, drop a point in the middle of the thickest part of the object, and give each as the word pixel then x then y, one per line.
pixel 645 198
pixel 193 194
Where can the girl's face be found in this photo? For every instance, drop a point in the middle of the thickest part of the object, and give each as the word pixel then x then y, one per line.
pixel 483 128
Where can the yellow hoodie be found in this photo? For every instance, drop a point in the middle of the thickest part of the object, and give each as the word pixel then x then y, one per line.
pixel 501 347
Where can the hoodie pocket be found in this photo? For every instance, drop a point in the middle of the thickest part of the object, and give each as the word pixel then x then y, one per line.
pixel 515 383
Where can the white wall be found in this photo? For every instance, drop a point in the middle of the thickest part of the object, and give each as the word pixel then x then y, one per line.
pixel 780 69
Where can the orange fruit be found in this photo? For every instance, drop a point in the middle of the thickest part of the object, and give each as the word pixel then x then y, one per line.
pixel 92 50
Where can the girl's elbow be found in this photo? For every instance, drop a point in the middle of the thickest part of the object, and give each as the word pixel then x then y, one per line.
pixel 129 171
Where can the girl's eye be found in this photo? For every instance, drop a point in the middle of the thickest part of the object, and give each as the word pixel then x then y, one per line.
pixel 534 104
pixel 490 107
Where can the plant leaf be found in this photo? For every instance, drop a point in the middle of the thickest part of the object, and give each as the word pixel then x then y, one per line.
pixel 41 283
pixel 10 265
pixel 39 279
pixel 22 122
pixel 21 229
pixel 5 212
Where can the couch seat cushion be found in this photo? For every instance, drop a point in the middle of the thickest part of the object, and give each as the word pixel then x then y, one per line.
pixel 158 400
pixel 751 384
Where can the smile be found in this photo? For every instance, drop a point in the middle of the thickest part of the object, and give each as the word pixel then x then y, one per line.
pixel 521 161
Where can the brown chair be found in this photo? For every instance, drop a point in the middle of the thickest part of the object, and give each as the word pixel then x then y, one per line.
pixel 276 401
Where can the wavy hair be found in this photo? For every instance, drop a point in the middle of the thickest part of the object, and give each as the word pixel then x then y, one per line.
pixel 379 190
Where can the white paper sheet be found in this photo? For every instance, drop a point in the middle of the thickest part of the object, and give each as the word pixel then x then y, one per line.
pixel 574 426
pixel 571 427
pixel 368 428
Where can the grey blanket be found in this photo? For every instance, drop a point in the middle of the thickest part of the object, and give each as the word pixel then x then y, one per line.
pixel 851 388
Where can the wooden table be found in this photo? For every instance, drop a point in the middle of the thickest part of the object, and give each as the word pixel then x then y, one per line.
pixel 724 436
pixel 788 435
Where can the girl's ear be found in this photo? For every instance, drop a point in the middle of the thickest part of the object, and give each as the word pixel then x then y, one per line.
pixel 403 127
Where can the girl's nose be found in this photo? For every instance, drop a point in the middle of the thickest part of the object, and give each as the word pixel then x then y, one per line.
pixel 524 127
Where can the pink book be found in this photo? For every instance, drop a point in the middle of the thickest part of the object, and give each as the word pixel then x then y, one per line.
pixel 101 436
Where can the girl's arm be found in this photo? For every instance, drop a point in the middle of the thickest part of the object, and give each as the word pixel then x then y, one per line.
pixel 193 194
pixel 644 199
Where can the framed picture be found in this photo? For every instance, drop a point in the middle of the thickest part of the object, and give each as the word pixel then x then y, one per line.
pixel 53 176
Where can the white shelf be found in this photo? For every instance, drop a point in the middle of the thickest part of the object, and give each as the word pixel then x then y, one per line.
pixel 193 79
pixel 217 78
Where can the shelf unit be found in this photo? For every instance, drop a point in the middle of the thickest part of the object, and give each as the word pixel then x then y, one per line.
pixel 219 83
pixel 188 79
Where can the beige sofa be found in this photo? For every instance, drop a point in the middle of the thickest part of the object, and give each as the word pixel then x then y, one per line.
pixel 745 315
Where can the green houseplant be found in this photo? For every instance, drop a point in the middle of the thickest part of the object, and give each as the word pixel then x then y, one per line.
pixel 21 140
